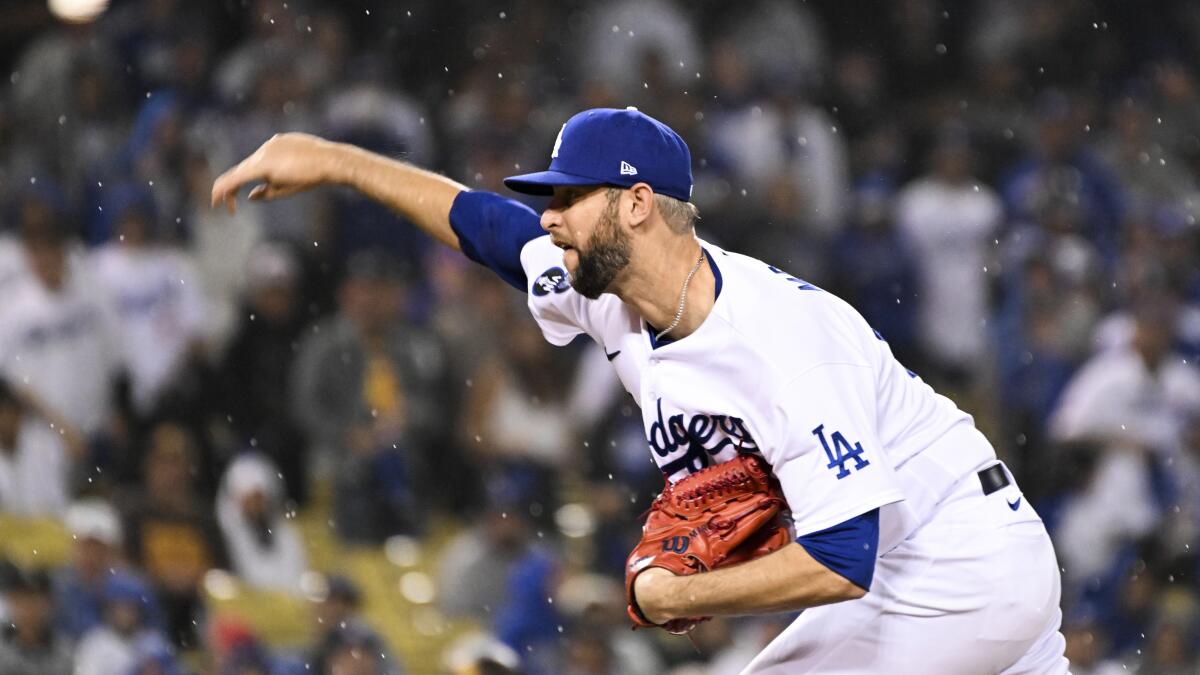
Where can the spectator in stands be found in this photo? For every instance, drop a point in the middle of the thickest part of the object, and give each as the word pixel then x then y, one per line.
pixel 250 658
pixel 593 610
pixel 755 137
pixel 1177 118
pixel 480 653
pixel 467 307
pixel 527 621
pixel 515 417
pixel 29 644
pixel 951 220
pixel 1128 604
pixel 34 211
pixel 858 90
pixel 874 270
pixel 1172 649
pixel 1086 648
pixel 156 155
pixel 255 375
pixel 158 661
pixel 658 31
pixel 365 111
pixel 264 546
pixel 779 230
pixel 153 289
pixel 370 392
pixel 485 553
pixel 237 650
pixel 1137 395
pixel 1149 171
pixel 222 247
pixel 1051 298
pixel 1180 534
pixel 57 335
pixel 170 533
pixel 343 639
pixel 24 155
pixel 263 83
pixel 359 652
pixel 100 103
pixel 126 634
pixel 586 652
pixel 35 468
pixel 96 554
pixel 1059 154
pixel 996 113
pixel 1133 402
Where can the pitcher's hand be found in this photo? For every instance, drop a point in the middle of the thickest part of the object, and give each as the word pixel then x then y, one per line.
pixel 284 165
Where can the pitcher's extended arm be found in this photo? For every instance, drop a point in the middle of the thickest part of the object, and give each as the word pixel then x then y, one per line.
pixel 294 162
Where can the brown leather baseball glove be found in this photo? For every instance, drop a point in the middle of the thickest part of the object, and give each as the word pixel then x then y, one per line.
pixel 720 516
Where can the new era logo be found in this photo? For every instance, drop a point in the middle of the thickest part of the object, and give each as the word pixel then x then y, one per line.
pixel 627 169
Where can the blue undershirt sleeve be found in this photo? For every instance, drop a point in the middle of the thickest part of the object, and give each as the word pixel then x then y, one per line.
pixel 847 548
pixel 492 231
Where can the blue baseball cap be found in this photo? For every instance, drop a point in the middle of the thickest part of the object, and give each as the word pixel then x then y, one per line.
pixel 607 146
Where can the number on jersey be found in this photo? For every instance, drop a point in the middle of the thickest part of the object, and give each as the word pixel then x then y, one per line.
pixel 841 452
pixel 800 283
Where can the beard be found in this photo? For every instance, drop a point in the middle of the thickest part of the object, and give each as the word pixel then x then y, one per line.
pixel 607 254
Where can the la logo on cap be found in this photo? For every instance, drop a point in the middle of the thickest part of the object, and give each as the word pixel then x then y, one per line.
pixel 627 169
pixel 558 142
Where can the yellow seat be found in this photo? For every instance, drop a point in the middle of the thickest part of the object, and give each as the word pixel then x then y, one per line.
pixel 278 619
pixel 34 542
pixel 415 633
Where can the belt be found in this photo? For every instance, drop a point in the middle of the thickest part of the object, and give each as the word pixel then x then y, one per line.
pixel 993 478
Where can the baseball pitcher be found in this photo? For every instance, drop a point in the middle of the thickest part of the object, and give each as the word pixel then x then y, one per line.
pixel 806 469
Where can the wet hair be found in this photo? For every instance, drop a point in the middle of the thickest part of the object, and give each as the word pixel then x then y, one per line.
pixel 679 215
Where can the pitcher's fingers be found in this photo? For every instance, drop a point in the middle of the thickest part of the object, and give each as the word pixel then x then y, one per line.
pixel 228 183
pixel 269 191
pixel 221 186
pixel 223 191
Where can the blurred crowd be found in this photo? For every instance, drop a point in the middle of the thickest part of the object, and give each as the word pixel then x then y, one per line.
pixel 1007 190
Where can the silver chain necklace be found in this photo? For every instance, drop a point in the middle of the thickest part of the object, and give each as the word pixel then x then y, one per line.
pixel 682 298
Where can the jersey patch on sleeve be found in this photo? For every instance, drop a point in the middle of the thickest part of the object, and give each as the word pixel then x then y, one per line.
pixel 553 280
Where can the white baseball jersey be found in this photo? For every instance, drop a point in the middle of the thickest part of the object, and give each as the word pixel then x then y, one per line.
pixel 155 294
pixel 34 474
pixel 61 346
pixel 12 262
pixel 779 367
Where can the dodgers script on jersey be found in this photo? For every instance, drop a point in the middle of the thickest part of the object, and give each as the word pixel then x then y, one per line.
pixel 782 368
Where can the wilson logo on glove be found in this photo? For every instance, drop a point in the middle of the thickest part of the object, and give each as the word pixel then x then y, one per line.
pixel 676 544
